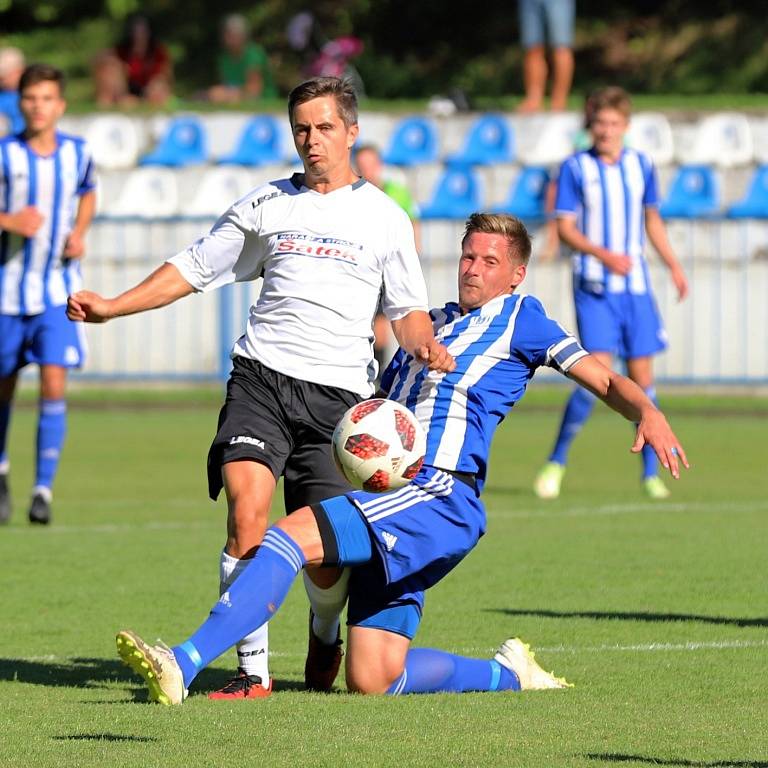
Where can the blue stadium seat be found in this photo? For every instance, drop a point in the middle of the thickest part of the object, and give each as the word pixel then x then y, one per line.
pixel 184 143
pixel 488 141
pixel 527 197
pixel 414 141
pixel 259 143
pixel 755 204
pixel 693 194
pixel 456 195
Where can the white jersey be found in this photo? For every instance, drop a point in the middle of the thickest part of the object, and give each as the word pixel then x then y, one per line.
pixel 325 260
pixel 34 274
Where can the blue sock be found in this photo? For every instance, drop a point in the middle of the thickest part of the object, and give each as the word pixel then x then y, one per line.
pixel 250 601
pixel 577 411
pixel 5 420
pixel 650 460
pixel 51 429
pixel 430 671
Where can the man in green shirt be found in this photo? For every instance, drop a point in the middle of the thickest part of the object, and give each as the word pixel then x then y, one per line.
pixel 243 66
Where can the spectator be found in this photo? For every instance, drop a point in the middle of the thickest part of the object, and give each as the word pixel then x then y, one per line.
pixel 243 65
pixel 137 69
pixel 370 167
pixel 11 67
pixel 557 16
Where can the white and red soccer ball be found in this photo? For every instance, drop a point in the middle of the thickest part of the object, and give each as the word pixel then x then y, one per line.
pixel 378 445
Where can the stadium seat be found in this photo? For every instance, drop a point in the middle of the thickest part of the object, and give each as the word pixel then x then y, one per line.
pixel 414 141
pixel 184 143
pixel 113 141
pixel 218 188
pixel 755 203
pixel 147 193
pixel 259 143
pixel 489 140
pixel 456 195
pixel 651 133
pixel 723 139
pixel 546 139
pixel 527 198
pixel 694 193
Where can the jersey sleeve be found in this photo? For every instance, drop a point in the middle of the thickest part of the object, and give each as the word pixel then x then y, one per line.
pixel 86 181
pixel 650 192
pixel 391 371
pixel 568 188
pixel 228 254
pixel 540 340
pixel 404 286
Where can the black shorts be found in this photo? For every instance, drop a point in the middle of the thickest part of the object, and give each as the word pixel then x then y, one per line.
pixel 285 424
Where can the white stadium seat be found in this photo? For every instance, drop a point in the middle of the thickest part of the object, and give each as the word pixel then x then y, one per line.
pixel 148 192
pixel 218 189
pixel 546 139
pixel 651 133
pixel 114 141
pixel 723 139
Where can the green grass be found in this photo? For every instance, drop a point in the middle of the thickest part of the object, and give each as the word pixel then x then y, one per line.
pixel 658 612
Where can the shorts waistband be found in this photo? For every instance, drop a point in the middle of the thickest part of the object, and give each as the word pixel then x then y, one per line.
pixel 468 478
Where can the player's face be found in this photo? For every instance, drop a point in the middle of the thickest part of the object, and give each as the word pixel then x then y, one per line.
pixel 486 270
pixel 608 129
pixel 41 105
pixel 322 140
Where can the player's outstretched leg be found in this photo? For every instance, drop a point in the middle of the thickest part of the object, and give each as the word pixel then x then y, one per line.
pixel 513 668
pixel 156 664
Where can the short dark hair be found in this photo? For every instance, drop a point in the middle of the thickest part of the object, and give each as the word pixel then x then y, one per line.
pixel 341 90
pixel 509 227
pixel 41 73
pixel 610 97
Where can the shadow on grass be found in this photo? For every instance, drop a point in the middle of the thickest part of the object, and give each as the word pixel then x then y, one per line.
pixel 633 616
pixel 98 673
pixel 103 737
pixel 618 758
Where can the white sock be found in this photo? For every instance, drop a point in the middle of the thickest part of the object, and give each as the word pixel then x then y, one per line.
pixel 253 649
pixel 327 605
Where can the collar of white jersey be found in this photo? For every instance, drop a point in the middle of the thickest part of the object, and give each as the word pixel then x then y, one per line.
pixel 298 182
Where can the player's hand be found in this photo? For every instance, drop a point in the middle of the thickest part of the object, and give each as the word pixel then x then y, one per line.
pixel 88 307
pixel 74 247
pixel 25 222
pixel 654 430
pixel 680 281
pixel 435 356
pixel 619 263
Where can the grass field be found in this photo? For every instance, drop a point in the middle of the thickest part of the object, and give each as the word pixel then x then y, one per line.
pixel 657 611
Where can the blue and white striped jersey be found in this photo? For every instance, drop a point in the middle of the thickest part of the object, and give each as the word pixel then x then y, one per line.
pixel 497 349
pixel 609 202
pixel 33 273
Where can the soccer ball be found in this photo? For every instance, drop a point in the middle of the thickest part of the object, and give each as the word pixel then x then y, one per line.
pixel 378 445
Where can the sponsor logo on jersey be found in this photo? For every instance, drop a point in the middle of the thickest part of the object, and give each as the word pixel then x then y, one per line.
pixel 259 200
pixel 247 440
pixel 302 244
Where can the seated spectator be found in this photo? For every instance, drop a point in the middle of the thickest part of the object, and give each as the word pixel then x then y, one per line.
pixel 137 69
pixel 11 67
pixel 243 65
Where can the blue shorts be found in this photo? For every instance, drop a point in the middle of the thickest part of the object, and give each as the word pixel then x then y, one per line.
pixel 417 535
pixel 623 324
pixel 542 20
pixel 49 338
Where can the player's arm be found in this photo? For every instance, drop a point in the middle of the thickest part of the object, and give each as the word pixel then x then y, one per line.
pixel 74 248
pixel 164 286
pixel 415 335
pixel 24 222
pixel 657 234
pixel 628 399
pixel 569 232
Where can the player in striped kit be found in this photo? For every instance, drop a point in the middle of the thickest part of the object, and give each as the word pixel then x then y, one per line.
pixel 402 542
pixel 47 201
pixel 607 203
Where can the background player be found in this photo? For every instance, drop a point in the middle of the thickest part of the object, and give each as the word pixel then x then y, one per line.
pixel 606 204
pixel 47 201
pixel 405 541
pixel 325 243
